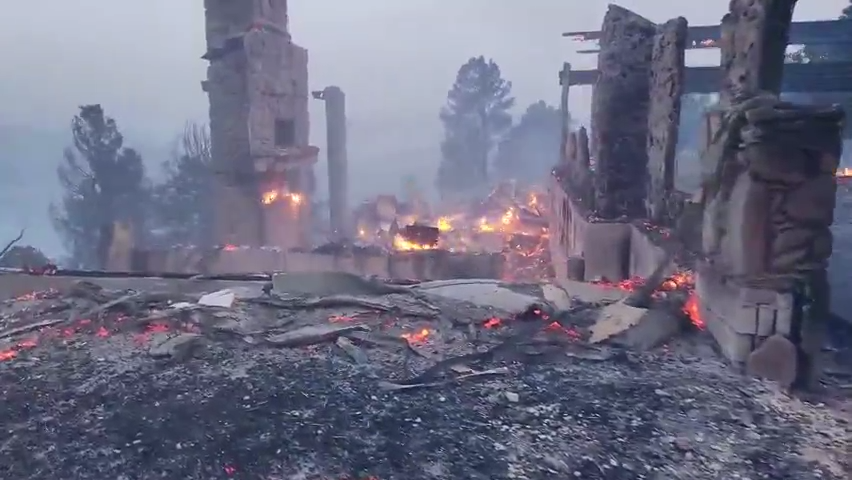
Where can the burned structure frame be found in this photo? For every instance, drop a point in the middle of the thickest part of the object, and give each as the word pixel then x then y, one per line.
pixel 767 199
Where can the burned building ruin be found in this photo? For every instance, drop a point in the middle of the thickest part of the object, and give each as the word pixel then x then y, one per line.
pixel 761 250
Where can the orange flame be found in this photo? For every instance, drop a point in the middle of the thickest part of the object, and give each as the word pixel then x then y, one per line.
pixel 417 337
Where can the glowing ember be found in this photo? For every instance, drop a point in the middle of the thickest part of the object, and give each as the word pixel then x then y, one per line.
pixel 485 227
pixel 444 225
pixel 12 352
pixel 692 310
pixel 400 243
pixel 271 196
pixel 417 337
pixel 683 280
pixel 492 322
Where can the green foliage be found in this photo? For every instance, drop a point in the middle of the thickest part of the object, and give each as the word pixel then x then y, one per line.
pixel 530 149
pixel 103 182
pixel 475 117
pixel 183 203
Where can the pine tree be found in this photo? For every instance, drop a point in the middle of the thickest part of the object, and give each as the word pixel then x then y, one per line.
pixel 530 149
pixel 184 201
pixel 475 117
pixel 104 183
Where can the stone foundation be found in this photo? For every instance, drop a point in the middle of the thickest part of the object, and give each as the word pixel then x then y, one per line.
pixel 607 250
pixel 420 265
pixel 604 247
pixel 741 318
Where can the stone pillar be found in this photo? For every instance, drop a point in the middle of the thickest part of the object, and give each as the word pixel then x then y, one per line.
pixel 754 37
pixel 667 77
pixel 565 83
pixel 620 113
pixel 338 176
pixel 767 229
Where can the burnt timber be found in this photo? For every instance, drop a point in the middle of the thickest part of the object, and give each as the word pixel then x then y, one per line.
pixel 819 32
pixel 798 78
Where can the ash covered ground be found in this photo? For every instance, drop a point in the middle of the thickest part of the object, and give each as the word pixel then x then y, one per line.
pixel 86 407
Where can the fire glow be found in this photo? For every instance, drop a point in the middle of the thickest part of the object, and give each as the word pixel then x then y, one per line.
pixel 682 280
pixel 508 221
pixel 271 196
pixel 103 329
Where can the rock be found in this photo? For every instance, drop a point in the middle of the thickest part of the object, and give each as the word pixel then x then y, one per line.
pixel 355 353
pixel 221 298
pixel 180 346
pixel 633 327
pixel 512 397
pixel 556 296
pixel 775 359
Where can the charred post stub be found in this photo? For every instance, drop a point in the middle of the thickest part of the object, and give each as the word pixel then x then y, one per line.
pixel 620 114
pixel 667 87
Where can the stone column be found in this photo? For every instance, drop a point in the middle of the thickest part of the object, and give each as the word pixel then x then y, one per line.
pixel 620 113
pixel 667 74
pixel 767 228
pixel 338 176
pixel 754 36
pixel 565 83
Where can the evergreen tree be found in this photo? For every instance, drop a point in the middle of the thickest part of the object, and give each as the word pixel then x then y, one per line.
pixel 184 201
pixel 104 183
pixel 530 149
pixel 475 117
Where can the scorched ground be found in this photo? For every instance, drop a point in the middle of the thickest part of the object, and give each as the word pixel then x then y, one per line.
pixel 87 406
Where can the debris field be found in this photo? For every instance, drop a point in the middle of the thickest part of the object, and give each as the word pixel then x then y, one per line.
pixel 327 376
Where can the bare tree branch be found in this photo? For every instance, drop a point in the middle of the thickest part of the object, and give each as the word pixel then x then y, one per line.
pixel 12 244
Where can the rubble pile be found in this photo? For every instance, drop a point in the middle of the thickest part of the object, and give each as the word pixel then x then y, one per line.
pixel 510 220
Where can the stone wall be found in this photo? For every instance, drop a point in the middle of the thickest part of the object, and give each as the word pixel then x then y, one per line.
pixel 620 105
pixel 420 265
pixel 666 89
pixel 581 248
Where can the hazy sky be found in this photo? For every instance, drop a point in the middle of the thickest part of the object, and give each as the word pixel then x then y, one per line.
pixel 395 59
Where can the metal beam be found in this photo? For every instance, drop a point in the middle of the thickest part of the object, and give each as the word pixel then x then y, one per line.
pixel 818 32
pixel 798 78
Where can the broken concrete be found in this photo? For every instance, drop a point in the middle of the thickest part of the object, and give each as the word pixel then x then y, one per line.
pixel 634 327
